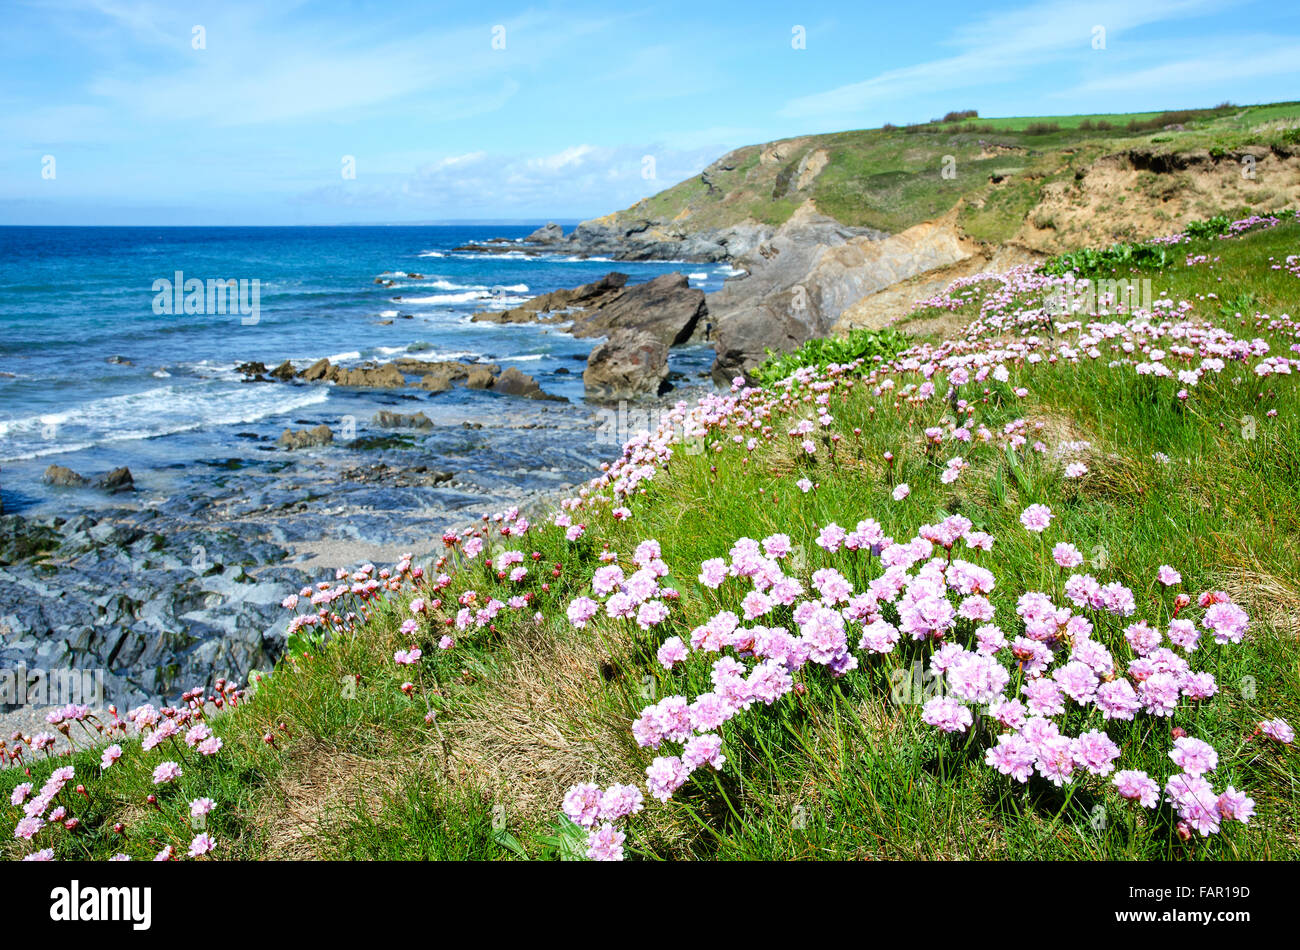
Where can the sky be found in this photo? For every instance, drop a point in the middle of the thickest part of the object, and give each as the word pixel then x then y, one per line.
pixel 275 112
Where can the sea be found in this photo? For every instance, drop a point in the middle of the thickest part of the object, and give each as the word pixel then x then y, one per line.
pixel 103 364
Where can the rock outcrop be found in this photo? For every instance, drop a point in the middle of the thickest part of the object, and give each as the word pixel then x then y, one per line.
pixel 396 420
pixel 305 438
pixel 118 480
pixel 667 308
pixel 63 477
pixel 783 299
pixel 629 364
pixel 550 233
pixel 514 383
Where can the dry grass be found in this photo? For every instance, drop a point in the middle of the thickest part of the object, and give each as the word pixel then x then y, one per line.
pixel 541 728
pixel 315 787
pixel 1270 600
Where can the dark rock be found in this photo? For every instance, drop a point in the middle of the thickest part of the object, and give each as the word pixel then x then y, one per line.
pixel 667 308
pixel 514 383
pixel 283 372
pixel 630 363
pixel 386 376
pixel 318 370
pixel 64 477
pixel 119 479
pixel 435 382
pixel 396 420
pixel 551 233
pixel 306 438
pixel 479 378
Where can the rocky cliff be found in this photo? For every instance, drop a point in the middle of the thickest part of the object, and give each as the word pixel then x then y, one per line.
pixel 821 227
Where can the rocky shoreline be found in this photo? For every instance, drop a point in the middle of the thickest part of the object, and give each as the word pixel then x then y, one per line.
pixel 162 589
pixel 792 281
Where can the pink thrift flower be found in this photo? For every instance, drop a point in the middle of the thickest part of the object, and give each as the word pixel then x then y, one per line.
pixel 166 772
pixel 1067 555
pixel 1279 730
pixel 1036 518
pixel 605 844
pixel 665 775
pixel 671 652
pixel 582 804
pixel 946 714
pixel 1137 786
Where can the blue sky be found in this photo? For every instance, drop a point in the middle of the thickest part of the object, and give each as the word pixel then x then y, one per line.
pixel 253 128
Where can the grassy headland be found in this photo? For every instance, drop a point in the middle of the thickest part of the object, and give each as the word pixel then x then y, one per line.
pixel 356 747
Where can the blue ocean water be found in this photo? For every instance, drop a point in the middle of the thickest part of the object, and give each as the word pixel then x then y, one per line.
pixel 71 299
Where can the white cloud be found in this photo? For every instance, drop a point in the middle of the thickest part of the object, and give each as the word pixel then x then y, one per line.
pixel 997 48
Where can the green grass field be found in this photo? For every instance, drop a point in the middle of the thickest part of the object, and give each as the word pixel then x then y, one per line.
pixel 343 753
pixel 889 178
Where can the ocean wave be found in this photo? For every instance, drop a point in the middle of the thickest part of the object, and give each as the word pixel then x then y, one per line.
pixel 431 254
pixel 148 414
pixel 450 298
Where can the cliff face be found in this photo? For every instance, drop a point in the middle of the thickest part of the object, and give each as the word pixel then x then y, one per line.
pixel 822 226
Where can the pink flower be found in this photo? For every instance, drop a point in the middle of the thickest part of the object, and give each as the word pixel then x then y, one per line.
pixel 201 844
pixel 109 756
pixel 946 714
pixel 1168 576
pixel 166 772
pixel 671 652
pixel 1137 786
pixel 777 546
pixel 582 610
pixel 1013 755
pixel 650 614
pixel 619 801
pixel 582 804
pixel 713 572
pixel 665 775
pixel 26 828
pixel 901 491
pixel 702 750
pixel 1067 555
pixel 1183 633
pixel 1279 730
pixel 605 844
pixel 1226 621
pixel 1236 806
pixel 831 537
pixel 1194 756
pixel 1036 518
pixel 1095 752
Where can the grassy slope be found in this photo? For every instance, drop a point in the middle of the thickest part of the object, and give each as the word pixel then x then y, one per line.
pixel 843 771
pixel 889 179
